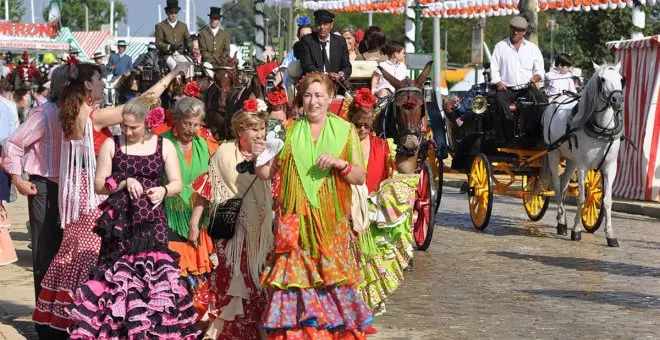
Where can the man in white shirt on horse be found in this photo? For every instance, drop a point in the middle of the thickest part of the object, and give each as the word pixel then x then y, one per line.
pixel 516 63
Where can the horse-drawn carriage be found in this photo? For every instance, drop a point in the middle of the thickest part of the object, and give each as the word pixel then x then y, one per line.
pixel 506 156
pixel 408 117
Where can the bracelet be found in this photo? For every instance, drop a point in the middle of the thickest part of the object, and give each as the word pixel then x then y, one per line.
pixel 347 170
pixel 166 191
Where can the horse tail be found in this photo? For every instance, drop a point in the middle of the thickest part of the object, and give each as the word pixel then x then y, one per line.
pixel 545 175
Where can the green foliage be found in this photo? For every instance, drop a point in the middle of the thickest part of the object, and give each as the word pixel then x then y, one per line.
pixel 201 22
pixel 583 35
pixel 16 10
pixel 238 21
pixel 73 14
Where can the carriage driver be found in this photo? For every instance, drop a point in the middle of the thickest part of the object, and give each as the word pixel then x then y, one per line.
pixel 516 63
pixel 213 42
pixel 172 37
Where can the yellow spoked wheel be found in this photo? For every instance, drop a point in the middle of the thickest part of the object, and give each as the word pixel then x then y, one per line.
pixel 535 205
pixel 592 212
pixel 480 191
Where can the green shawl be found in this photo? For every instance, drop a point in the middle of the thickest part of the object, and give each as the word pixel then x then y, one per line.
pixel 179 207
pixel 333 139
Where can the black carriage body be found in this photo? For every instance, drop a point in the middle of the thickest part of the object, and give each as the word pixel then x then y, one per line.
pixel 489 131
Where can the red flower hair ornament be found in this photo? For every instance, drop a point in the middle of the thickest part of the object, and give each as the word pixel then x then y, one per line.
pixel 359 36
pixel 277 97
pixel 192 89
pixel 73 63
pixel 364 98
pixel 254 105
pixel 155 117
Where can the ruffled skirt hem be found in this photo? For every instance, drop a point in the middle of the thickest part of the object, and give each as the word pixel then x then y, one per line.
pixel 333 309
pixel 139 297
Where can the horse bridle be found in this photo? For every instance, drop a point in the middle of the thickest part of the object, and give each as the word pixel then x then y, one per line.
pixel 599 132
pixel 417 132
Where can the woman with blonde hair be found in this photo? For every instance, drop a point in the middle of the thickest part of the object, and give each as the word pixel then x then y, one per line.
pixel 312 276
pixel 84 130
pixel 135 290
pixel 237 300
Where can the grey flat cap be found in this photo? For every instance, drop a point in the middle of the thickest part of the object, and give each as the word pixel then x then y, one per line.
pixel 518 22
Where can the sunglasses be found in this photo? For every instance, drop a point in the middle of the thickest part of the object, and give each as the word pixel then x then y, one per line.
pixel 362 125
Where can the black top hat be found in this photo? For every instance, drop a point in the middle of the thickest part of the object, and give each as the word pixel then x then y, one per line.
pixel 322 15
pixel 172 5
pixel 215 13
pixel 121 43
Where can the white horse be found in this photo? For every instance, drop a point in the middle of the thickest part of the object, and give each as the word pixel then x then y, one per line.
pixel 595 132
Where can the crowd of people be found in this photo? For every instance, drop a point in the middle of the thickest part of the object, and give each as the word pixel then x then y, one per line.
pixel 299 226
pixel 162 231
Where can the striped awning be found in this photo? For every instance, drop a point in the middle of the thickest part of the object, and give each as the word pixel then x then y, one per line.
pixel 133 48
pixel 634 43
pixel 92 41
pixel 466 8
pixel 66 36
pixel 637 169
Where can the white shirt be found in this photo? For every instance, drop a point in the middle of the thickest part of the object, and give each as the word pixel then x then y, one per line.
pixel 556 83
pixel 173 24
pixel 516 68
pixel 215 30
pixel 12 107
pixel 327 49
pixel 398 70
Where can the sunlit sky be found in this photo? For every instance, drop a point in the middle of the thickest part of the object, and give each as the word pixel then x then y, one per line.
pixel 142 14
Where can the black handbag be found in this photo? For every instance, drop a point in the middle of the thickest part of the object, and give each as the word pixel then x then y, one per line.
pixel 223 224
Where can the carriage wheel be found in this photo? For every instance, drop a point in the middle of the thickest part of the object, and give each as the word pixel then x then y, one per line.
pixel 592 212
pixel 480 191
pixel 424 208
pixel 535 205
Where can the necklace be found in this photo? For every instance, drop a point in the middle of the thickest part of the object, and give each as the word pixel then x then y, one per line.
pixel 246 155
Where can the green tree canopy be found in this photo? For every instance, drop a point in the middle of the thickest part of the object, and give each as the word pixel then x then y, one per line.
pixel 16 10
pixel 73 13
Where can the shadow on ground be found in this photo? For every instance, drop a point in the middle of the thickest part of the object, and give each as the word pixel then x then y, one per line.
pixel 582 264
pixel 21 320
pixel 625 299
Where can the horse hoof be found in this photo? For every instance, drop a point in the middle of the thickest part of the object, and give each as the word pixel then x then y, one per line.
pixel 612 242
pixel 562 229
pixel 576 236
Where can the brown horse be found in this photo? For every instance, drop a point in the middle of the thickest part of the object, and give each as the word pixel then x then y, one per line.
pixel 403 118
pixel 225 96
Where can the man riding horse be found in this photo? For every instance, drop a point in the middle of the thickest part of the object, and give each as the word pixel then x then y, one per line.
pixel 213 41
pixel 172 37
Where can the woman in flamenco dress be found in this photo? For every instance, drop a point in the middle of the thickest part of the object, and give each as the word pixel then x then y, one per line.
pixel 135 291
pixel 312 276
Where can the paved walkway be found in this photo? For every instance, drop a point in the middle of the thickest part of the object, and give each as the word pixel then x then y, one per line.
pixel 515 280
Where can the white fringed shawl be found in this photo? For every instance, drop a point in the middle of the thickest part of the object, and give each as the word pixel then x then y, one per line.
pixel 77 156
pixel 255 220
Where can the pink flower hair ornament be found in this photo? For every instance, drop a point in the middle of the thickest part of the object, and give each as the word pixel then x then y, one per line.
pixel 155 117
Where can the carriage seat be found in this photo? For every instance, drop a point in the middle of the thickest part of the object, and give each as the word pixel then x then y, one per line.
pixel 363 69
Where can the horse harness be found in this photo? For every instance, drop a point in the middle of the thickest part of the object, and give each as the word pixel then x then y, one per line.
pixel 400 148
pixel 592 128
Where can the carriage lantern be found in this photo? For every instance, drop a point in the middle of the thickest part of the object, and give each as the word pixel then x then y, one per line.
pixel 428 90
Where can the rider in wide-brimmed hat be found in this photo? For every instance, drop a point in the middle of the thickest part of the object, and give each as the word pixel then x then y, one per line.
pixel 120 63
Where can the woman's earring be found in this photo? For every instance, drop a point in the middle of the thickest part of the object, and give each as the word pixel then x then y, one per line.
pixel 89 100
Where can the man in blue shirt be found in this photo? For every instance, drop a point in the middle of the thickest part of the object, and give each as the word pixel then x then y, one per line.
pixel 120 63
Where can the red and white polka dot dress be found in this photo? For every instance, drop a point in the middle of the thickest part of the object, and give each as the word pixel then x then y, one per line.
pixel 70 268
